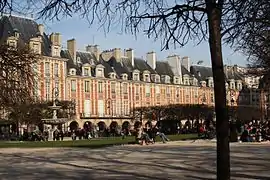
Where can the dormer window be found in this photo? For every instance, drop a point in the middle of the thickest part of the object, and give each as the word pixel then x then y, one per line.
pixel 36 48
pixel 17 35
pixel 203 83
pixel 136 76
pixel 112 75
pixel 72 71
pixel 56 51
pixel 100 70
pixel 176 80
pixel 146 77
pixel 12 43
pixel 186 79
pixel 226 85
pixel 86 71
pixel 232 84
pixel 79 60
pixel 195 82
pixel 124 77
pixel 239 85
pixel 167 79
pixel 157 79
pixel 210 82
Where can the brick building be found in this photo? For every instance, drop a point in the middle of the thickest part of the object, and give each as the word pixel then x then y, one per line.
pixel 107 85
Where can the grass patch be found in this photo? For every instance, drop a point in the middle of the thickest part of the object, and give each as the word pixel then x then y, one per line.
pixel 94 143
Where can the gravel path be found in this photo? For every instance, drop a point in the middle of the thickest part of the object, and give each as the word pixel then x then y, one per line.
pixel 174 160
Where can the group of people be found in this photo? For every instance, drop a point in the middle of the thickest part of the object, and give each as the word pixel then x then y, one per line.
pixel 147 134
pixel 254 131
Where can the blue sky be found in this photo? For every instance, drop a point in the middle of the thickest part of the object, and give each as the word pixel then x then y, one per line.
pixel 85 34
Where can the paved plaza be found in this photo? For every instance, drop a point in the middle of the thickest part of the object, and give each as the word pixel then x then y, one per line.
pixel 175 160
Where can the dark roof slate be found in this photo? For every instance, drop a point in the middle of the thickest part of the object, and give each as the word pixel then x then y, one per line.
pixel 163 68
pixel 27 28
pixel 201 72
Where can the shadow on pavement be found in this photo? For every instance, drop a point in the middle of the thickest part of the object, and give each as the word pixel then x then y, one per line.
pixel 133 162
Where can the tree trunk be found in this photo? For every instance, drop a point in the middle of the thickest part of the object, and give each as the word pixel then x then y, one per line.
pixel 222 119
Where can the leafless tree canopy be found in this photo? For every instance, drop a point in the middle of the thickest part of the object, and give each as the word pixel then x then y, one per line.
pixel 16 75
pixel 174 22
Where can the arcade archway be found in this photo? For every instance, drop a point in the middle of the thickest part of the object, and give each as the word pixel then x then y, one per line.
pixel 126 125
pixel 87 125
pixel 73 126
pixel 137 124
pixel 101 126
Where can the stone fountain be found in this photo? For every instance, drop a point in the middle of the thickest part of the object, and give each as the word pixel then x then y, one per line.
pixel 52 123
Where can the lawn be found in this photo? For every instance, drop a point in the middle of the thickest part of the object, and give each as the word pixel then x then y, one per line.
pixel 94 143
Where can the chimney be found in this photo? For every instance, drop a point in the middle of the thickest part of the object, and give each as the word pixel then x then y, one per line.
pixel 186 62
pixel 71 46
pixel 235 68
pixel 41 29
pixel 130 54
pixel 151 59
pixel 117 54
pixel 94 49
pixel 56 39
pixel 175 64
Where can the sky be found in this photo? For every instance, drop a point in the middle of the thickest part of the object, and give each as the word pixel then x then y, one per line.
pixel 84 34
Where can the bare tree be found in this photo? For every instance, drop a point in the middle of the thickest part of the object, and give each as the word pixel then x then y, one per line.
pixel 175 23
pixel 16 75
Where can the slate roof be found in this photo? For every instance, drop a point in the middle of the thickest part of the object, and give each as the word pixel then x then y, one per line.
pixel 163 68
pixel 27 28
pixel 201 72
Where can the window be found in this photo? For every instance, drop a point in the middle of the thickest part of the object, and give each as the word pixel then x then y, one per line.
pixel 47 69
pixel 168 91
pixel 124 77
pixel 112 87
pixel 167 79
pixel 212 98
pixel 100 107
pixel 186 81
pixel 87 108
pixel 211 83
pixel 147 90
pixel 56 51
pixel 56 67
pixel 232 85
pixel 12 44
pixel 86 86
pixel 146 78
pixel 47 90
pixel 157 90
pixel 99 72
pixel 100 87
pixel 137 89
pixel 136 77
pixel 125 88
pixel 176 80
pixel 112 76
pixel 157 79
pixel 86 72
pixel 73 85
pixel 177 92
pixel 36 48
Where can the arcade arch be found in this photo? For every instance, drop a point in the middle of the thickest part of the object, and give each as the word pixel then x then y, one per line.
pixel 101 126
pixel 87 125
pixel 73 125
pixel 126 125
